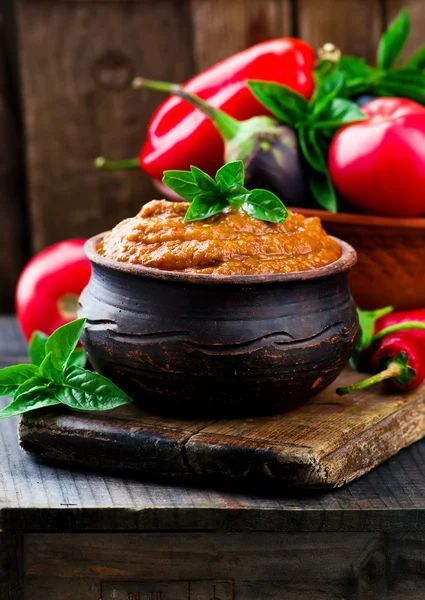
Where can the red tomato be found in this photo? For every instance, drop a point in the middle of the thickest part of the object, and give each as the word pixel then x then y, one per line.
pixel 50 285
pixel 378 165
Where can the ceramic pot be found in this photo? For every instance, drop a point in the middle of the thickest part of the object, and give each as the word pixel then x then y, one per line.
pixel 192 345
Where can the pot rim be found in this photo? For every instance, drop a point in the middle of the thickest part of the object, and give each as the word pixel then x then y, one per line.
pixel 346 261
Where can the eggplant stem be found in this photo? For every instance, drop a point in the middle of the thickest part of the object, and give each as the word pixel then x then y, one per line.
pixel 393 370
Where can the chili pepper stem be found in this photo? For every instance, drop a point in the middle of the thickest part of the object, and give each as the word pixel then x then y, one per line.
pixel 111 165
pixel 227 125
pixel 393 370
pixel 397 327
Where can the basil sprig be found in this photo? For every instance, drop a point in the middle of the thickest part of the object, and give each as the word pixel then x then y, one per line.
pixel 316 122
pixel 209 197
pixel 57 376
pixel 407 81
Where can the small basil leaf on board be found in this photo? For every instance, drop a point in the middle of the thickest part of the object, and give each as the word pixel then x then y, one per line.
pixel 230 174
pixel 78 358
pixel 182 183
pixel 35 384
pixel 311 150
pixel 204 206
pixel 290 108
pixel 204 182
pixel 266 206
pixel 417 60
pixel 63 341
pixel 322 189
pixel 339 113
pixel 48 370
pixel 326 92
pixel 11 378
pixel 26 404
pixel 86 390
pixel 393 41
pixel 37 347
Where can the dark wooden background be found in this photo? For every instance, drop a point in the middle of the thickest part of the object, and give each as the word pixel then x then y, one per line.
pixel 65 95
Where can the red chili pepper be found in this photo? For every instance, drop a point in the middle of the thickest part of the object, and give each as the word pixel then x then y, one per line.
pixel 179 135
pixel 378 165
pixel 50 285
pixel 397 352
pixel 399 361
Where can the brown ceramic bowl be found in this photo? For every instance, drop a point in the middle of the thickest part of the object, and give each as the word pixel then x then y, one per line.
pixel 191 345
pixel 391 257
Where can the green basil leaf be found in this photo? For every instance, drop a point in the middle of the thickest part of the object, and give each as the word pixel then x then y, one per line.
pixel 266 206
pixel 86 390
pixel 393 41
pixel 182 183
pixel 311 149
pixel 355 68
pixel 78 358
pixel 204 182
pixel 322 189
pixel 25 404
pixel 11 378
pixel 37 347
pixel 204 206
pixel 367 322
pixel 399 89
pixel 229 175
pixel 63 341
pixel 339 113
pixel 30 386
pixel 326 92
pixel 236 201
pixel 417 60
pixel 49 371
pixel 290 108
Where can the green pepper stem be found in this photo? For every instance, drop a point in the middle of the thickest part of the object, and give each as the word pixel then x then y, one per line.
pixel 112 165
pixel 226 125
pixel 398 327
pixel 393 370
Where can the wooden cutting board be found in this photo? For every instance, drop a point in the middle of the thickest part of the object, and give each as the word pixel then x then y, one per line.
pixel 325 443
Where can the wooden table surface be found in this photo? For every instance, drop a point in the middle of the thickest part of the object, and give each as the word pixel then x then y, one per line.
pixel 387 506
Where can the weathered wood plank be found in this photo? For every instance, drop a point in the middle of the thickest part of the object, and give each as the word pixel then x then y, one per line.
pixel 40 498
pixel 353 25
pixel 222 28
pixel 77 62
pixel 325 443
pixel 273 566
pixel 416 10
pixel 11 566
pixel 13 243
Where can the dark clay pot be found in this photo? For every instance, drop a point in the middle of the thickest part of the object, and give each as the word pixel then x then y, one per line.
pixel 192 345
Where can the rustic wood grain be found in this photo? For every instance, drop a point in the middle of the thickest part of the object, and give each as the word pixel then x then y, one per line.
pixel 77 64
pixel 325 443
pixel 13 245
pixel 222 28
pixel 416 10
pixel 11 566
pixel 273 566
pixel 353 25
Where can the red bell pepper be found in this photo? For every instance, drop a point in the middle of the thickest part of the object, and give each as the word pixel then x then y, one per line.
pixel 180 135
pixel 378 165
pixel 49 287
